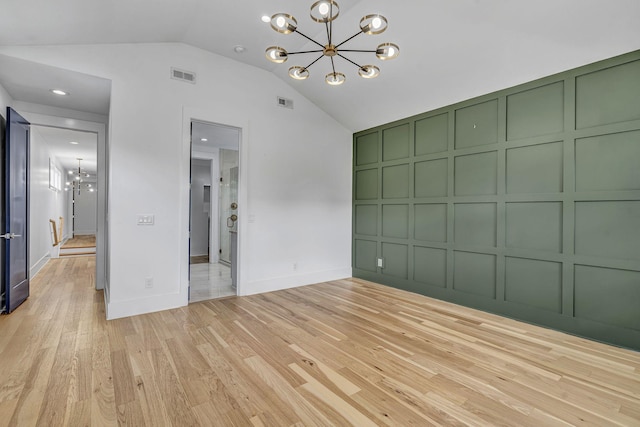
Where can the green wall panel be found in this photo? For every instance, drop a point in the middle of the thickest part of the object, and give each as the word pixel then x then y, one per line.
pixel 432 135
pixel 475 274
pixel 476 174
pixel 477 125
pixel 475 224
pixel 366 184
pixel 535 225
pixel 430 266
pixel 395 182
pixel 367 149
pixel 608 295
pixel 545 103
pixel 430 222
pixel 431 179
pixel 534 283
pixel 611 95
pixel 524 202
pixel 535 169
pixel 608 229
pixel 608 162
pixel 395 143
pixel 365 254
pixel 396 260
pixel 366 219
pixel 395 221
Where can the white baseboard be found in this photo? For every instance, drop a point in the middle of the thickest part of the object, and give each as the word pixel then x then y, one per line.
pixel 133 307
pixel 280 283
pixel 38 266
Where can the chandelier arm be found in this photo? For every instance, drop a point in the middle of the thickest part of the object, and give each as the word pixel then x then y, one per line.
pixel 330 22
pixel 309 38
pixel 326 25
pixel 333 66
pixel 304 51
pixel 350 38
pixel 347 59
pixel 357 50
pixel 319 58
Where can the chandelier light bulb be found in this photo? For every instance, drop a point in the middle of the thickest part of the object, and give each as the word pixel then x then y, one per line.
pixel 387 51
pixel 376 22
pixel 369 71
pixel 280 21
pixel 323 9
pixel 335 79
pixel 298 73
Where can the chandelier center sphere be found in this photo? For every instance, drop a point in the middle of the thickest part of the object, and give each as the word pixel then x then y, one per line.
pixel 330 50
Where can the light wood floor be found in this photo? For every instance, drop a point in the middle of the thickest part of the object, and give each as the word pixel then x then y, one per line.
pixel 339 353
pixel 80 241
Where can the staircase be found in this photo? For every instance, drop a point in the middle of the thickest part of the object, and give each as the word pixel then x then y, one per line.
pixel 79 246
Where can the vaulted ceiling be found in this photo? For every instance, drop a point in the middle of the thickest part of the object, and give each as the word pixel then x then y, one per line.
pixel 450 49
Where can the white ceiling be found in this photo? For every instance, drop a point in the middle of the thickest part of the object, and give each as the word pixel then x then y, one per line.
pixel 29 82
pixel 451 50
pixel 217 136
pixel 59 142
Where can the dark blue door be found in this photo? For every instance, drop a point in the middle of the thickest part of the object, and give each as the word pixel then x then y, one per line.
pixel 15 278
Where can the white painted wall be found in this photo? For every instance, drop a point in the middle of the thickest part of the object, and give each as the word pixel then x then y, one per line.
pixel 5 101
pixel 45 203
pixel 85 212
pixel 200 176
pixel 296 181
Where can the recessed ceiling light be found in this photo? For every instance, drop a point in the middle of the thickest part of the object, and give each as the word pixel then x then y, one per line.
pixel 74 142
pixel 266 18
pixel 239 49
pixel 59 92
pixel 203 139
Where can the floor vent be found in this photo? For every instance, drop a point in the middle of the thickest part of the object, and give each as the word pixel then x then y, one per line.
pixel 286 103
pixel 185 76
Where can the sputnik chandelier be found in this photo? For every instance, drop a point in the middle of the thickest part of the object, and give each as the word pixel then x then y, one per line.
pixel 78 179
pixel 325 12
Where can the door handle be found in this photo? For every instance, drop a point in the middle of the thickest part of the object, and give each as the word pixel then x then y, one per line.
pixel 231 220
pixel 10 235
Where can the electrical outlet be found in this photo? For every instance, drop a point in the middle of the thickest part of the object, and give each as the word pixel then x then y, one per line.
pixel 380 263
pixel 148 282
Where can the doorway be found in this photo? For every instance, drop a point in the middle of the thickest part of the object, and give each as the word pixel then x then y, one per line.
pixel 213 211
pixel 64 196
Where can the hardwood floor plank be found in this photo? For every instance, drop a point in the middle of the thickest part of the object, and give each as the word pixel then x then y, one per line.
pixel 346 352
pixel 28 405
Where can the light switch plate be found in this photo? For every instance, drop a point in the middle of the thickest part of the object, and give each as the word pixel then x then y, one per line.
pixel 146 219
pixel 380 263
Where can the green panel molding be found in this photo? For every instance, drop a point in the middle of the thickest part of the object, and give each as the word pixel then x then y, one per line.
pixel 523 202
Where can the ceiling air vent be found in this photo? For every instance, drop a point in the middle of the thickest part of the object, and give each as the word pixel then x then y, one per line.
pixel 286 103
pixel 185 76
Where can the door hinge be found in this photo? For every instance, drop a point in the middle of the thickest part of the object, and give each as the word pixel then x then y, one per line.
pixel 219 251
pixel 220 179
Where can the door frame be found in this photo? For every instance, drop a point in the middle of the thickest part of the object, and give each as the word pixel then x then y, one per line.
pixel 221 117
pixel 102 236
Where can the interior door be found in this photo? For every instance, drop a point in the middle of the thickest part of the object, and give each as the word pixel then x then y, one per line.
pixel 15 278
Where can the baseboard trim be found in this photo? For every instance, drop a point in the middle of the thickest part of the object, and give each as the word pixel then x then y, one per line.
pixel 280 283
pixel 38 265
pixel 134 307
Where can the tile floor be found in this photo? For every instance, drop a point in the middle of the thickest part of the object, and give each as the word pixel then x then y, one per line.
pixel 209 281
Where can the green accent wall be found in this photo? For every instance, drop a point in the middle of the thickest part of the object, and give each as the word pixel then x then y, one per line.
pixel 523 202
